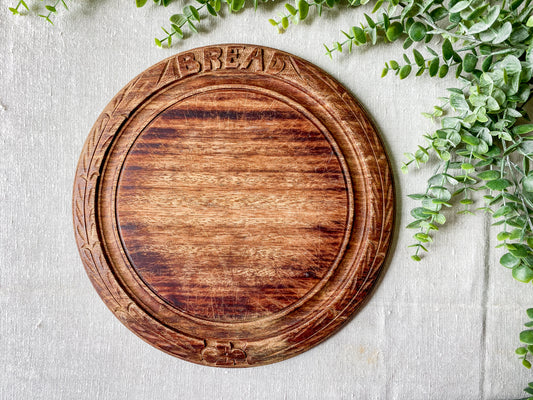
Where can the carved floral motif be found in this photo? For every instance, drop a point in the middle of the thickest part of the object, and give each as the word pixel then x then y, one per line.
pixel 223 354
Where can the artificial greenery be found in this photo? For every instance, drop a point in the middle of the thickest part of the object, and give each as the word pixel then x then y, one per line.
pixel 483 143
pixel 527 350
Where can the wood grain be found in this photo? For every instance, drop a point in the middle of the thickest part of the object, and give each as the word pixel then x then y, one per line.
pixel 233 205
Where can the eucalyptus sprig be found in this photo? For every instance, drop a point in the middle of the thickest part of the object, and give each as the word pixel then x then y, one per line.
pixel 189 17
pixel 15 10
pixel 526 350
pixel 483 143
pixel 164 3
pixel 299 12
pixel 50 9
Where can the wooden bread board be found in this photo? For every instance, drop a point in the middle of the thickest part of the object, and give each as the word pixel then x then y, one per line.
pixel 233 205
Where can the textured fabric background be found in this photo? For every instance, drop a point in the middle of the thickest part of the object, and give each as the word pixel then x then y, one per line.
pixel 445 328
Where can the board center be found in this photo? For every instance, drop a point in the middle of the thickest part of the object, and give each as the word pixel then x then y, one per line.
pixel 231 205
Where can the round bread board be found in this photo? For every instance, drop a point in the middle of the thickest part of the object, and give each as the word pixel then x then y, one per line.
pixel 233 205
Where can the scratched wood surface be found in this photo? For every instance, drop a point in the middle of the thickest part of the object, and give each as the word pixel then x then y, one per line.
pixel 233 205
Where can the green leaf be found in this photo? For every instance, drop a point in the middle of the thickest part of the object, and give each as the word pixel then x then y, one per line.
pixel 521 351
pixel 419 196
pixel 434 67
pixel 459 6
pixel 369 21
pixel 477 12
pixel 405 71
pixel 509 261
pixel 236 5
pixel 439 13
pixel 523 273
pixel 291 9
pixel 502 211
pixel 414 225
pixel 386 20
pixel 443 70
pixel 140 3
pixel 489 175
pixel 431 205
pixel 46 18
pixel 469 139
pixel 469 62
pixel 482 26
pixel 192 27
pixel 178 19
pixel 503 33
pixel 419 58
pixel 527 183
pixel 407 43
pixel 493 14
pixel 485 66
pixel 440 219
pixel 303 8
pixel 458 102
pixel 527 336
pixel 377 6
pixel 423 237
pixel 394 31
pixel 440 193
pixel 374 35
pixel 526 364
pixel 177 29
pixel 213 12
pixel 417 31
pixel 420 213
pixel 517 249
pixel 511 65
pixel 529 312
pixel 447 49
pixel 359 34
pixel 498 184
pixel 522 129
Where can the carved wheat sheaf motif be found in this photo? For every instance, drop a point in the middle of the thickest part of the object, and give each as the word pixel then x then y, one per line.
pixel 290 229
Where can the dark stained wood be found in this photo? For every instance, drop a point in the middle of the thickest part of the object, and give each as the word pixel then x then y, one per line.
pixel 233 205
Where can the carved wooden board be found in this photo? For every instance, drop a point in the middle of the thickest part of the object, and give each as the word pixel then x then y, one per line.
pixel 233 205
